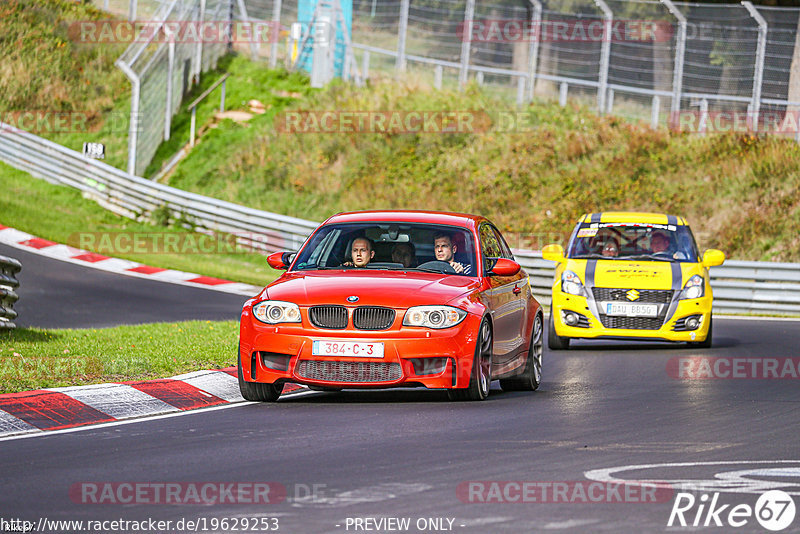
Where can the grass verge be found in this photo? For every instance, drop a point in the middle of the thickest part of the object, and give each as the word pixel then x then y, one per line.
pixel 35 358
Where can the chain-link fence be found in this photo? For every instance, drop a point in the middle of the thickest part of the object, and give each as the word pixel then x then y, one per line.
pixel 697 67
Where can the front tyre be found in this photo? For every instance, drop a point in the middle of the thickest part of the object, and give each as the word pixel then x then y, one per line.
pixel 531 377
pixel 255 391
pixel 554 341
pixel 481 376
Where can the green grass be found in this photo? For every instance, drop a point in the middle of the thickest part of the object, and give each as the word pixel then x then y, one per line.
pixel 35 358
pixel 739 192
pixel 61 214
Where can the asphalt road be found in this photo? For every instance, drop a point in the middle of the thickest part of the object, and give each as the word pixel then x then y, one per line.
pixel 58 294
pixel 412 454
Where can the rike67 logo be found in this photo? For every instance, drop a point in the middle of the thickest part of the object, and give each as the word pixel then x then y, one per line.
pixel 774 510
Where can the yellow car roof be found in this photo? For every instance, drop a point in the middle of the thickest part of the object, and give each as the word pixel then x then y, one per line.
pixel 633 217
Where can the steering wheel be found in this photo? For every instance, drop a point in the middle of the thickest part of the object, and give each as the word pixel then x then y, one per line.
pixel 437 265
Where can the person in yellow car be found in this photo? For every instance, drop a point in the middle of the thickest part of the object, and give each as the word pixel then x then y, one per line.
pixel 628 275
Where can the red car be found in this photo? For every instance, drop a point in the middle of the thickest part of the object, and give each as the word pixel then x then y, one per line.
pixel 380 299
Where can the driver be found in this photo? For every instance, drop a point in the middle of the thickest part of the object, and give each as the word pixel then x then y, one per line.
pixel 361 253
pixel 444 250
pixel 659 242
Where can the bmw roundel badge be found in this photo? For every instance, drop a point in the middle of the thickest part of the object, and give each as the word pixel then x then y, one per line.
pixel 352 298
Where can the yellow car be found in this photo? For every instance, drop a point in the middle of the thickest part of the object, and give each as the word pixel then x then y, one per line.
pixel 633 276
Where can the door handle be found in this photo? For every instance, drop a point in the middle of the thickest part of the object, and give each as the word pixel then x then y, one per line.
pixel 517 290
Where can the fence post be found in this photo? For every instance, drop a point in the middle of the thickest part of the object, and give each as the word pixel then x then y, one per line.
pixel 275 33
pixel 521 91
pixel 655 111
pixel 365 66
pixel 761 48
pixel 132 10
pixel 466 43
pixel 677 68
pixel 562 94
pixel 437 76
pixel 199 50
pixel 533 47
pixel 133 127
pixel 610 101
pixel 170 67
pixel 605 54
pixel 479 77
pixel 703 117
pixel 402 30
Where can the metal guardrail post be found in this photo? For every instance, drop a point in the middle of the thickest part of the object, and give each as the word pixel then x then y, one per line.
pixel 466 43
pixel 605 54
pixel 9 267
pixel 677 68
pixel 402 31
pixel 761 48
pixel 533 46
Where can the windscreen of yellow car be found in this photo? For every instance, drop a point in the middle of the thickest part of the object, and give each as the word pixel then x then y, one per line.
pixel 633 241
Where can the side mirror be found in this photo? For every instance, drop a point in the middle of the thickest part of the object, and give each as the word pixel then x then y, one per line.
pixel 553 253
pixel 279 260
pixel 505 267
pixel 713 257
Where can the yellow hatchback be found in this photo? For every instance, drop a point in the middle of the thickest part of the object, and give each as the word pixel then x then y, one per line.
pixel 633 276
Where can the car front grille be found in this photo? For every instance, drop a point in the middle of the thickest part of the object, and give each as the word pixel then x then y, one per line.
pixel 632 323
pixel 328 316
pixel 373 318
pixel 351 372
pixel 649 296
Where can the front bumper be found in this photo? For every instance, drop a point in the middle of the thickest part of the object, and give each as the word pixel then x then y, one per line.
pixel 669 330
pixel 412 356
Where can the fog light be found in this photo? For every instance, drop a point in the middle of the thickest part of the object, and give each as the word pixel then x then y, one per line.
pixel 570 318
pixel 692 323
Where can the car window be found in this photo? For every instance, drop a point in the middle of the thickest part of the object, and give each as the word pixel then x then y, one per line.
pixel 656 242
pixel 393 246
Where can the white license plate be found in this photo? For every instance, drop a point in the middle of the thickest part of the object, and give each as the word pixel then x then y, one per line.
pixel 359 349
pixel 627 309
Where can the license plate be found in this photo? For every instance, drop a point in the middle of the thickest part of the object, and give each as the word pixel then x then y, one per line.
pixel 627 309
pixel 359 349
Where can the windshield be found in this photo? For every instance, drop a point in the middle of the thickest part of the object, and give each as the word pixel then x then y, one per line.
pixel 656 242
pixel 390 246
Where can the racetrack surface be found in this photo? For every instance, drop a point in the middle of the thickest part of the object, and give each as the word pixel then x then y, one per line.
pixel 405 453
pixel 58 294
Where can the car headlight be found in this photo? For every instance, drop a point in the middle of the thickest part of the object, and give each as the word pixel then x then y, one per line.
pixel 276 311
pixel 433 316
pixel 570 283
pixel 695 288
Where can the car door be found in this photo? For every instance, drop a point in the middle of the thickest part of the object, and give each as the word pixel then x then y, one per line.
pixel 503 296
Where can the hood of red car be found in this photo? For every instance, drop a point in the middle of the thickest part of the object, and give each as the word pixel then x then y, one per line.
pixel 373 288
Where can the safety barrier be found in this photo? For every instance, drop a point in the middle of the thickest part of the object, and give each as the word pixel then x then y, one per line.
pixel 9 267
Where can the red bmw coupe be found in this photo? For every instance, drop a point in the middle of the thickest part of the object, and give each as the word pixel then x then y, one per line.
pixel 380 299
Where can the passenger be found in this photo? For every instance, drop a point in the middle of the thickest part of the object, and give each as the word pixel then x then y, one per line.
pixel 404 253
pixel 361 252
pixel 444 250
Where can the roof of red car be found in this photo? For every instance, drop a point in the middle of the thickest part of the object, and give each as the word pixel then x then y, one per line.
pixel 431 217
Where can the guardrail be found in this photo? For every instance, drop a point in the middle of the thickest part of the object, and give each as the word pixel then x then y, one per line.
pixel 739 286
pixel 9 267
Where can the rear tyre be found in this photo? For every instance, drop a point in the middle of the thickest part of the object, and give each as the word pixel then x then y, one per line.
pixel 481 376
pixel 554 341
pixel 531 377
pixel 705 344
pixel 255 391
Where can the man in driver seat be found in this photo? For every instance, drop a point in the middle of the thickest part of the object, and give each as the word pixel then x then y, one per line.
pixel 444 250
